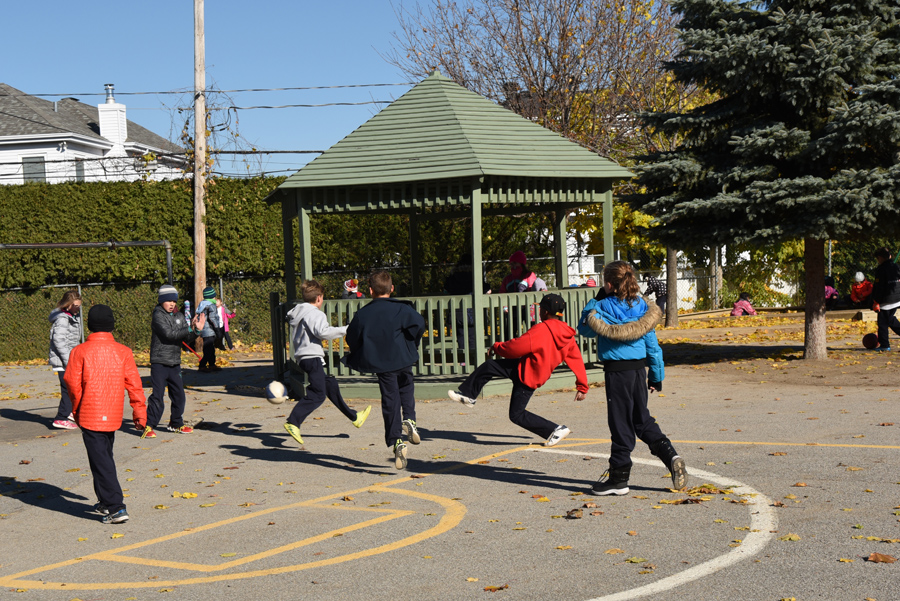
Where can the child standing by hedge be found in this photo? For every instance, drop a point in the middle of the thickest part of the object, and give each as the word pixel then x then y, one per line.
pixel 626 342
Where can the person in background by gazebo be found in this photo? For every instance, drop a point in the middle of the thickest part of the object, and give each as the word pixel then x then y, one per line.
pixel 743 306
pixel 831 294
pixel 861 292
pixel 520 278
pixel 657 287
pixel 459 283
pixel 351 290
pixel 886 293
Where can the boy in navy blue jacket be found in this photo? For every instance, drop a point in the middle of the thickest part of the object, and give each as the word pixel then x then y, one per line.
pixel 384 338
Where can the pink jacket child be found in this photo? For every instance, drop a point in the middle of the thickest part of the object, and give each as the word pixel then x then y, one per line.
pixel 224 315
pixel 743 306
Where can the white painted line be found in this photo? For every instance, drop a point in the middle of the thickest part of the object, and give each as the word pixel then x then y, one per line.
pixel 762 519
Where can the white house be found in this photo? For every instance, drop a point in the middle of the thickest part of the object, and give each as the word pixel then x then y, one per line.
pixel 67 140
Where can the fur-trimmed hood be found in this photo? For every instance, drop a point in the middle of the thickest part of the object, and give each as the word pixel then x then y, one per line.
pixel 614 323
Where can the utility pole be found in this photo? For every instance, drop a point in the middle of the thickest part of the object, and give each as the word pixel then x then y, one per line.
pixel 199 153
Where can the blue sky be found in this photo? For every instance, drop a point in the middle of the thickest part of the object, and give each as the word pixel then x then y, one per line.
pixel 64 47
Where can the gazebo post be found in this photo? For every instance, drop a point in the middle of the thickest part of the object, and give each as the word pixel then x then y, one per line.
pixel 306 271
pixel 561 255
pixel 608 242
pixel 477 275
pixel 288 212
pixel 414 255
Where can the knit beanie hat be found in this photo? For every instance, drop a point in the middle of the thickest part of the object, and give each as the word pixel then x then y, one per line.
pixel 101 319
pixel 209 293
pixel 167 293
pixel 591 283
pixel 518 257
pixel 859 277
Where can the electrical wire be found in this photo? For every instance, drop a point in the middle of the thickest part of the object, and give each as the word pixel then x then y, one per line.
pixel 216 91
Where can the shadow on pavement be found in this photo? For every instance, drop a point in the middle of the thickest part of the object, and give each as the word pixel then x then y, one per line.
pixel 26 416
pixel 302 457
pixel 47 496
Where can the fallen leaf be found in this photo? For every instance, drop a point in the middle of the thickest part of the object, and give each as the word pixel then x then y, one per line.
pixel 881 558
pixel 116 535
pixel 494 589
pixel 842 560
pixel 613 551
pixel 574 514
pixel 227 554
pixel 564 547
pixel 631 533
pixel 778 454
pixel 471 579
pixel 208 505
pixel 590 505
pixel 635 560
pixel 800 484
pixel 160 507
pixel 790 536
pixel 596 513
pixel 348 498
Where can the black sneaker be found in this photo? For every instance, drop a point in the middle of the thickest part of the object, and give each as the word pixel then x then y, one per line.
pixel 118 517
pixel 400 455
pixel 612 482
pixel 101 509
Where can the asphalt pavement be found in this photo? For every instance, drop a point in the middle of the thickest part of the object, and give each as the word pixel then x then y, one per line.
pixel 791 491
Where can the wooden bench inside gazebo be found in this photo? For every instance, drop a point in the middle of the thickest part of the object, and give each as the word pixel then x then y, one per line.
pixel 443 152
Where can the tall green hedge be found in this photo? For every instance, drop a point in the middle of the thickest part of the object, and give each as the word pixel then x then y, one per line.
pixel 243 235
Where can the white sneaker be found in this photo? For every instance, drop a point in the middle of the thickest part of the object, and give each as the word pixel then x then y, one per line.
pixel 455 396
pixel 558 434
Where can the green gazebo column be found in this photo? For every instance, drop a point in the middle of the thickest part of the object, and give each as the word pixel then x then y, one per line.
pixel 306 271
pixel 477 275
pixel 288 212
pixel 608 242
pixel 561 253
pixel 415 257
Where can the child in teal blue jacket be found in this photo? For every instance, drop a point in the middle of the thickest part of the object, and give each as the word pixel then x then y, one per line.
pixel 624 324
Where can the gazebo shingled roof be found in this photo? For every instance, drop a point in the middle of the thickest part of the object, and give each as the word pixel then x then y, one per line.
pixel 440 130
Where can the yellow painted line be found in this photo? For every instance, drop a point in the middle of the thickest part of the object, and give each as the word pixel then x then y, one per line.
pixel 454 512
pixel 199 567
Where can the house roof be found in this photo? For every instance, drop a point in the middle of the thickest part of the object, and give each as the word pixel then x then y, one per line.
pixel 440 130
pixel 24 115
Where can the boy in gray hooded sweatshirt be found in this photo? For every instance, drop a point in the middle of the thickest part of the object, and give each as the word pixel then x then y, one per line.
pixel 310 327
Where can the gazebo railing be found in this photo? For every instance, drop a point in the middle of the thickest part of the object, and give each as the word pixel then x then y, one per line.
pixel 450 346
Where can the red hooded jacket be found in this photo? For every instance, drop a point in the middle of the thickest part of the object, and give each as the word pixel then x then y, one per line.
pixel 97 375
pixel 541 349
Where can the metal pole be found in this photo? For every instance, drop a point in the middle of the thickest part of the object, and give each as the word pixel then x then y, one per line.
pixel 829 258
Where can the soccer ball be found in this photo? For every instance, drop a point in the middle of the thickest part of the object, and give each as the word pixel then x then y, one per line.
pixel 276 393
pixel 870 341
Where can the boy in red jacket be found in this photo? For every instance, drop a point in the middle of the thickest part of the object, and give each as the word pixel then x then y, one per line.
pixel 98 373
pixel 528 361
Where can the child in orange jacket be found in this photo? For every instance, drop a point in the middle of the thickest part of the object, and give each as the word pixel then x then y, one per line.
pixel 98 373
pixel 528 361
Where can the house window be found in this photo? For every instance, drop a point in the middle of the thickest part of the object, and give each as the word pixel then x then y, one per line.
pixel 79 170
pixel 33 169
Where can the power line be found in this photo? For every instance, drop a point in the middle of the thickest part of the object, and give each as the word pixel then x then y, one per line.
pixel 208 92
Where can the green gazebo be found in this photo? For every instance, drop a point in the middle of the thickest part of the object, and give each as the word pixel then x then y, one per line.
pixel 442 152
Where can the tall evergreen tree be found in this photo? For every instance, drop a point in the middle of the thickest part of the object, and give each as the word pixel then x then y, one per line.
pixel 803 141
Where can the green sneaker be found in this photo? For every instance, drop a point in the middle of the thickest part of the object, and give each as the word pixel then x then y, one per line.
pixel 294 431
pixel 362 416
pixel 400 455
pixel 409 428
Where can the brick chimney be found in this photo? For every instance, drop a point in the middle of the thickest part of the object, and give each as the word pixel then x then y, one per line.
pixel 113 125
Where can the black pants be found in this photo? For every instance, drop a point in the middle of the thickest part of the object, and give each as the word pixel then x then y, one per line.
pixel 627 414
pixel 99 446
pixel 228 342
pixel 209 352
pixel 160 377
pixel 518 401
pixel 65 403
pixel 319 387
pixel 398 401
pixel 887 320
